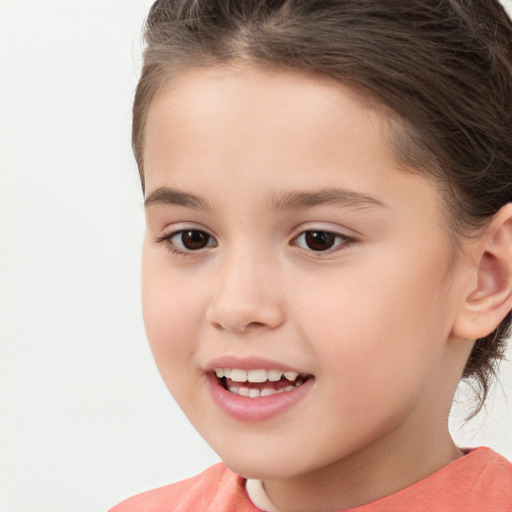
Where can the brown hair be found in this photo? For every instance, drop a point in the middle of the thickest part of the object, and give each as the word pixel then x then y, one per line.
pixel 443 68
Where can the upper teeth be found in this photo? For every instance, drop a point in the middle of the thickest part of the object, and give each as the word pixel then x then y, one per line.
pixel 260 375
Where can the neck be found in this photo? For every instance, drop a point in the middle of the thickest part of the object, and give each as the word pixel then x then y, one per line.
pixel 386 466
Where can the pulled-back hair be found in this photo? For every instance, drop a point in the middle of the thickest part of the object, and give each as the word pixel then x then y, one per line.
pixel 441 69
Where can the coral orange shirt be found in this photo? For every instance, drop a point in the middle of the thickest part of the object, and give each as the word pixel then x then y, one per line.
pixel 480 481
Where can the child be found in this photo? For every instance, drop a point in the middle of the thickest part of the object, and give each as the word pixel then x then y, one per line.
pixel 328 195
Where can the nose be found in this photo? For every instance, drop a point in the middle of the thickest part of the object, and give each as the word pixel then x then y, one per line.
pixel 246 296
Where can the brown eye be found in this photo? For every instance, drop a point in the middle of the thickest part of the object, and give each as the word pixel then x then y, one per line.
pixel 192 239
pixel 319 241
pixel 187 241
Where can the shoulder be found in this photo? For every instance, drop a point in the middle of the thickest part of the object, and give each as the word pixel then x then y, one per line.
pixel 480 481
pixel 487 477
pixel 216 489
pixel 480 468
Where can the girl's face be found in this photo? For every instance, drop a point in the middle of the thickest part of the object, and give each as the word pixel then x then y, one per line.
pixel 283 238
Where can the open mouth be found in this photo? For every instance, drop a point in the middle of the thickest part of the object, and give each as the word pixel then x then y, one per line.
pixel 259 382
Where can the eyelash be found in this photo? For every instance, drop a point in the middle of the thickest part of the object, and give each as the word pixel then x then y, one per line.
pixel 173 248
pixel 341 241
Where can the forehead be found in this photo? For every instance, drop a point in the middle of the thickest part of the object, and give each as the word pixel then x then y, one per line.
pixel 221 130
pixel 258 103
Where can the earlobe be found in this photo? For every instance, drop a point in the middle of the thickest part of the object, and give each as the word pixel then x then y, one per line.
pixel 490 299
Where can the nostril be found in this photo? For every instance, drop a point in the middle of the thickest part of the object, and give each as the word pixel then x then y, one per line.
pixel 231 315
pixel 256 324
pixel 232 319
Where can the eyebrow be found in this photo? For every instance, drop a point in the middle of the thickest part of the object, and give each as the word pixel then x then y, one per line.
pixel 170 196
pixel 282 201
pixel 326 196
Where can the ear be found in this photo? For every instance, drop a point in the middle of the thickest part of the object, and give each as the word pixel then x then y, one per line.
pixel 489 297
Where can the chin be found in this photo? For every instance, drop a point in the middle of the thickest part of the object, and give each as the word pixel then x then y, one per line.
pixel 261 466
pixel 260 471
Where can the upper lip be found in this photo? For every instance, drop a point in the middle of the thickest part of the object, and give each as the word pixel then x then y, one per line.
pixel 249 363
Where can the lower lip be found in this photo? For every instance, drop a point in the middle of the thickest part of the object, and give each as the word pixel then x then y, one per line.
pixel 259 408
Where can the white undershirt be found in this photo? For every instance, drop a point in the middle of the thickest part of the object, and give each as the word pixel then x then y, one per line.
pixel 258 496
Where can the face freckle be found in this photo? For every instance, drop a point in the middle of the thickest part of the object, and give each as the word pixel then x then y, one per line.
pixel 253 160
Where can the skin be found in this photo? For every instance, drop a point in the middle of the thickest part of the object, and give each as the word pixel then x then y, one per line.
pixel 372 319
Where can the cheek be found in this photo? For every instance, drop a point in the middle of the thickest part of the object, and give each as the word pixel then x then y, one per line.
pixel 389 317
pixel 172 315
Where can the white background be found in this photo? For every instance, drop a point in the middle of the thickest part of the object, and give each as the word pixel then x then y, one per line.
pixel 85 419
